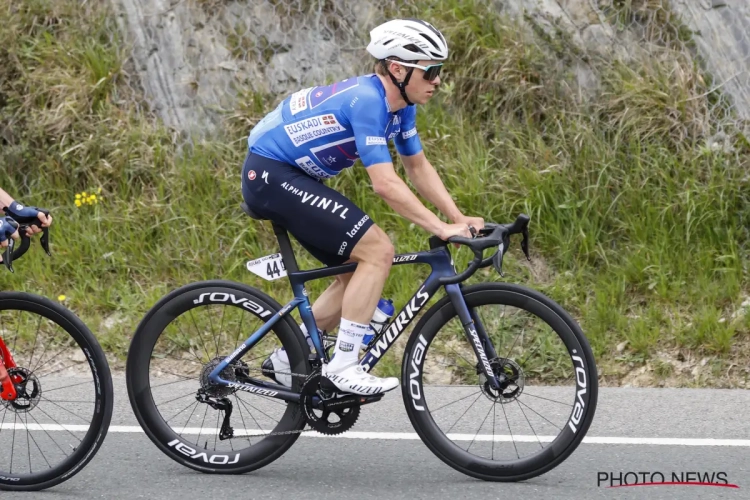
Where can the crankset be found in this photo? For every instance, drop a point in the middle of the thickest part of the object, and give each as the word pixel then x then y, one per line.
pixel 334 413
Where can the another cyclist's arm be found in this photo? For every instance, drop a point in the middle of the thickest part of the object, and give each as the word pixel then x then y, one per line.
pixel 5 199
pixel 17 209
pixel 394 191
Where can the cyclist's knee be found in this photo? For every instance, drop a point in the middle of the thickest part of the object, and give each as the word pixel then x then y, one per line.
pixel 374 248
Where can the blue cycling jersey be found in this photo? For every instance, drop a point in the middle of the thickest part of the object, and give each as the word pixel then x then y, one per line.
pixel 323 130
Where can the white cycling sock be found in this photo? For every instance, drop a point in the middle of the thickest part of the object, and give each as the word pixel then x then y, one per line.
pixel 348 341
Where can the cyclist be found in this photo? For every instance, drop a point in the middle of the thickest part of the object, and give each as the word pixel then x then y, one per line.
pixel 316 133
pixel 14 209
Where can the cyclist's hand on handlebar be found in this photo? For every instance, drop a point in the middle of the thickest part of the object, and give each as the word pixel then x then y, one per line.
pixel 23 213
pixel 449 230
pixel 476 222
pixel 7 230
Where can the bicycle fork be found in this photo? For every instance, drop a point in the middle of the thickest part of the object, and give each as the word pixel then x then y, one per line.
pixel 6 384
pixel 475 333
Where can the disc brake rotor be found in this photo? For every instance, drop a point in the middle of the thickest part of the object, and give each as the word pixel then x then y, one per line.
pixel 28 390
pixel 510 376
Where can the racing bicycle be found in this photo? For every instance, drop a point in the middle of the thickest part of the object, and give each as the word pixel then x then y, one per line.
pixel 497 379
pixel 56 390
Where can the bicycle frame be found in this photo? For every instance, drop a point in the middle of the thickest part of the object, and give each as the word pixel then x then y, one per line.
pixel 6 384
pixel 441 265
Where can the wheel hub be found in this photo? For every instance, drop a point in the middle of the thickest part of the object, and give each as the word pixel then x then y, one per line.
pixel 28 390
pixel 509 375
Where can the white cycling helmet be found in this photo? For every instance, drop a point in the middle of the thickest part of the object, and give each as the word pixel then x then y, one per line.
pixel 409 40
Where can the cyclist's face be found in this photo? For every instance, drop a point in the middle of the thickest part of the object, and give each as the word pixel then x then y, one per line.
pixel 420 90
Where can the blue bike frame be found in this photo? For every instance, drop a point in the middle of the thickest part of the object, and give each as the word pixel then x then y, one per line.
pixel 442 269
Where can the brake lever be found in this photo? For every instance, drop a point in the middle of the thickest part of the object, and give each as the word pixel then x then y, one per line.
pixel 525 243
pixel 8 255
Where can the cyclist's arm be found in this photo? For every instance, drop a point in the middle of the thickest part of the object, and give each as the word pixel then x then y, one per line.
pixel 5 199
pixel 428 183
pixel 394 191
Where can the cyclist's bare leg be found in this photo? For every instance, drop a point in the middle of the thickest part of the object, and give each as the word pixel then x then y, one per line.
pixel 327 309
pixel 374 256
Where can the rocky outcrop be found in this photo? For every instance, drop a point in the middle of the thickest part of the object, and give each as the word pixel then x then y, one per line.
pixel 194 56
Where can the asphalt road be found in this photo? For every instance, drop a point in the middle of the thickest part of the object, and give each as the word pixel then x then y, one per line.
pixel 382 458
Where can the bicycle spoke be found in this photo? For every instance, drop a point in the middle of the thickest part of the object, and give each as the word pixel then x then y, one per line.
pixel 37 447
pixel 464 413
pixel 48 434
pixel 58 423
pixel 480 427
pixel 529 422
pixel 547 399
pixel 63 408
pixel 456 401
pixel 244 425
pixel 511 431
pixel 192 403
pixel 198 330
pixel 201 427
pixel 542 416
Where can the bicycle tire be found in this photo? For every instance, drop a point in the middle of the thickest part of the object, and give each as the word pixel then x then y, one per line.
pixel 137 375
pixel 416 352
pixel 104 392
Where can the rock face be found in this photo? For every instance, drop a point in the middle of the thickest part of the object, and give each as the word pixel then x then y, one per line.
pixel 193 56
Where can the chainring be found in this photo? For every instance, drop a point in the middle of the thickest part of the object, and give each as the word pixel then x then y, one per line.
pixel 319 419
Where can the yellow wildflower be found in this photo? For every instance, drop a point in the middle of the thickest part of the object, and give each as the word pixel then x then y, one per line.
pixel 61 298
pixel 78 203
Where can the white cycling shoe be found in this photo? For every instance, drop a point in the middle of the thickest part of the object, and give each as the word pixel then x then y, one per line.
pixel 355 380
pixel 276 367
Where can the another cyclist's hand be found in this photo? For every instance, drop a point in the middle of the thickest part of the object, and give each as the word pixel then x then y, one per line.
pixel 21 212
pixel 7 230
pixel 476 222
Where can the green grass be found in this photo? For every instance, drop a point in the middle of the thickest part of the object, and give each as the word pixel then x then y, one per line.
pixel 639 227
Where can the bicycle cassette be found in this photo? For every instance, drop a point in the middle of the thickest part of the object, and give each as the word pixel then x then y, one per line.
pixel 332 415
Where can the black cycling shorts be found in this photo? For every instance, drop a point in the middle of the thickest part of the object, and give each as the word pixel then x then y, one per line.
pixel 325 222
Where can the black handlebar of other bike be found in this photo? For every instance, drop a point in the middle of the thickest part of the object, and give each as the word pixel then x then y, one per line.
pixel 23 223
pixel 492 235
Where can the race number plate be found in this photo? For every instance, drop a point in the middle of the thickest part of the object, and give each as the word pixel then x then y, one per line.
pixel 270 267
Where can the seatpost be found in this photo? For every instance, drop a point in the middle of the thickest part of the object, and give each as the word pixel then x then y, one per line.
pixel 285 245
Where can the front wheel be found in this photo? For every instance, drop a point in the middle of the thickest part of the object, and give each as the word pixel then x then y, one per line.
pixel 548 378
pixel 63 405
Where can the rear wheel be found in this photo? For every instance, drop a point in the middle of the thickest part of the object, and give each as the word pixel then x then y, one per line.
pixel 181 339
pixel 547 373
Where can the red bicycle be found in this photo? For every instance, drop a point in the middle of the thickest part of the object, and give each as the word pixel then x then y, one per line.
pixel 56 389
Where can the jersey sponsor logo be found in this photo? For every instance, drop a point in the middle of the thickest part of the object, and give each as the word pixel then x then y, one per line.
pixel 337 155
pixel 396 120
pixel 298 101
pixel 316 201
pixel 375 141
pixel 312 128
pixel 409 133
pixel 251 175
pixel 313 170
pixel 319 95
pixel 392 135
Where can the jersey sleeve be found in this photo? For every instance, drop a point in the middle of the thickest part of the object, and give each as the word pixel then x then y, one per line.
pixel 368 119
pixel 407 142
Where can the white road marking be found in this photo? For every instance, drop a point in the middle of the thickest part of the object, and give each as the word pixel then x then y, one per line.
pixel 408 436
